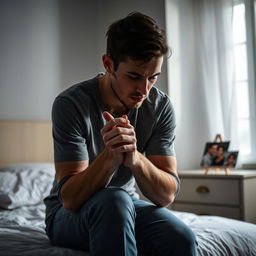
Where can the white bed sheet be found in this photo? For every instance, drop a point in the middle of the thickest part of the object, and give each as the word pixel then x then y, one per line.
pixel 22 233
pixel 219 236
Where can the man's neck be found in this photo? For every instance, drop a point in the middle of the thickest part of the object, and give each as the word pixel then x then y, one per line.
pixel 110 97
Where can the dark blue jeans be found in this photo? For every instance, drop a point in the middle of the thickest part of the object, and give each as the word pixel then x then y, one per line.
pixel 112 223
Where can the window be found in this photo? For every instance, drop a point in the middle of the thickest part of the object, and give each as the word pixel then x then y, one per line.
pixel 244 51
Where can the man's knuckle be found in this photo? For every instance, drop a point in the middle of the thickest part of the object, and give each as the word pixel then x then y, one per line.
pixel 119 130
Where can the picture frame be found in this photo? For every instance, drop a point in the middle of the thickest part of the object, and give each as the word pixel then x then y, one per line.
pixel 231 159
pixel 216 156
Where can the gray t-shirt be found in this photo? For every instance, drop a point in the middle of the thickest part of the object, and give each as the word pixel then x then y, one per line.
pixel 77 121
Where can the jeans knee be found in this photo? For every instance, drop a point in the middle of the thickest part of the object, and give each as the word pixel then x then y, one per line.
pixel 189 238
pixel 114 202
pixel 113 196
pixel 186 242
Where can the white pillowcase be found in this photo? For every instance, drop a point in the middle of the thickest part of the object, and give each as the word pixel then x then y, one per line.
pixel 25 184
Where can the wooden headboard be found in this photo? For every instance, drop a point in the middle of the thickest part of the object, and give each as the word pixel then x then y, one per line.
pixel 25 141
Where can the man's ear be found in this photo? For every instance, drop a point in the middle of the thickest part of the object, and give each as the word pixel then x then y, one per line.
pixel 108 63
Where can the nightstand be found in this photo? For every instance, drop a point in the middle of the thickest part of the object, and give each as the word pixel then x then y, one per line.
pixel 232 195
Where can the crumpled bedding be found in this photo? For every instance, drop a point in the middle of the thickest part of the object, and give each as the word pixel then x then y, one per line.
pixel 22 233
pixel 219 236
pixel 25 184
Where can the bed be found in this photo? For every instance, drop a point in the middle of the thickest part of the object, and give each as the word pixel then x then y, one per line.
pixel 26 165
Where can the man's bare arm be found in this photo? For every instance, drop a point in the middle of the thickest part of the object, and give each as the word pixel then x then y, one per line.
pixel 87 179
pixel 153 176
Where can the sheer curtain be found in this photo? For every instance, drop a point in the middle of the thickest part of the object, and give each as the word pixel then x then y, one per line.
pixel 214 46
pixel 201 75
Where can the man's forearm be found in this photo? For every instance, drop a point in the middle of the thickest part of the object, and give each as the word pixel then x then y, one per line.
pixel 156 184
pixel 83 185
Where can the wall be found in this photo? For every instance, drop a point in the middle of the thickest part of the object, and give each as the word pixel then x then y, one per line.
pixel 29 63
pixel 48 45
pixel 79 23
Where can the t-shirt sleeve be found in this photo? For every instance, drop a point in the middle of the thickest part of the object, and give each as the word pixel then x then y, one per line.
pixel 162 140
pixel 69 142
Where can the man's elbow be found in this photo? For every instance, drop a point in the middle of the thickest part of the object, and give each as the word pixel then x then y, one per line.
pixel 69 206
pixel 68 203
pixel 165 202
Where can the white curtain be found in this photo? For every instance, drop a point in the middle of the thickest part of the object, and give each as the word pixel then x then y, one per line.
pixel 201 75
pixel 214 47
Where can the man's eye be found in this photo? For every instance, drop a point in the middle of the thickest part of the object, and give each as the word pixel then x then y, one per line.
pixel 134 77
pixel 153 78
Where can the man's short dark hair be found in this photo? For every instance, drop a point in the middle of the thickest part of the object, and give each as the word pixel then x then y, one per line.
pixel 137 37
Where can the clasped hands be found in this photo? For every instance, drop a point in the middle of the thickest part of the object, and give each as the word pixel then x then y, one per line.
pixel 120 140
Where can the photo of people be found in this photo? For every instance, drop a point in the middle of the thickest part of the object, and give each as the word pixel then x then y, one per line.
pixel 215 154
pixel 219 158
pixel 231 159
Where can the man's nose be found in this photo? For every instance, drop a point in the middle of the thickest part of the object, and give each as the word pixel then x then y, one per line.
pixel 143 86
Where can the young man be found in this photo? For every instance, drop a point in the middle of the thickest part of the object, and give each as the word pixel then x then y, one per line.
pixel 108 132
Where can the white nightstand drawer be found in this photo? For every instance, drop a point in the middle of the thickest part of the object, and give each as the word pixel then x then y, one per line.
pixel 203 190
pixel 229 212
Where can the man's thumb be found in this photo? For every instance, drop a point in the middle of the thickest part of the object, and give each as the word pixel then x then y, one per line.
pixel 107 116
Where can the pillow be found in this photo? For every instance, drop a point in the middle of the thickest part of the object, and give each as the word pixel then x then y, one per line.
pixel 25 184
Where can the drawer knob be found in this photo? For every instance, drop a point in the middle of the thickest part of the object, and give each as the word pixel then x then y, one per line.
pixel 202 189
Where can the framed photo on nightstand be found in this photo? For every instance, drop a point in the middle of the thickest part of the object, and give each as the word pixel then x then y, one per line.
pixel 231 159
pixel 215 154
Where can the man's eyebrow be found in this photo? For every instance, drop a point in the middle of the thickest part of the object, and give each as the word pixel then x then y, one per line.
pixel 133 73
pixel 139 75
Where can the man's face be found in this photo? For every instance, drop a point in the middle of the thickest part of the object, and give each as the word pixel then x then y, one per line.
pixel 133 80
pixel 213 149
